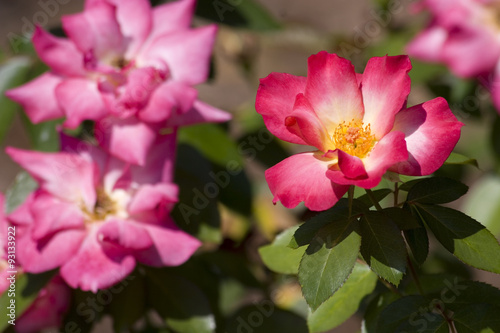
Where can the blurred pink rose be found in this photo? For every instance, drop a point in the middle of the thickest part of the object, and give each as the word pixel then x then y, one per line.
pixel 358 124
pixel 464 35
pixel 94 215
pixel 127 66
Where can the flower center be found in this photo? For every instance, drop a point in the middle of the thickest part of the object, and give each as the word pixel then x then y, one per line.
pixel 354 138
pixel 103 207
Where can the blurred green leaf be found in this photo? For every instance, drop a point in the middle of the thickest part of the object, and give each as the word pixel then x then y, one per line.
pixel 373 310
pixel 345 302
pixel 12 74
pixel 411 314
pixel 265 317
pixel 124 312
pixel 179 302
pixel 481 203
pixel 19 191
pixel 237 13
pixel 459 159
pixel 279 257
pixel 463 236
pixel 262 146
pixel 235 188
pixel 436 190
pixel 383 247
pixel 27 287
pixel 43 136
pixel 197 211
pixel 213 141
pixel 328 261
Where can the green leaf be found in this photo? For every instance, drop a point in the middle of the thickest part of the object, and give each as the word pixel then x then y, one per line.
pixel 407 185
pixel 374 309
pixel 213 142
pixel 279 257
pixel 481 203
pixel 411 314
pixel 17 193
pixel 196 211
pixel 265 317
pixel 235 189
pixel 27 288
pixel 179 302
pixel 43 136
pixel 124 312
pixel 306 232
pixel 459 159
pixel 345 302
pixel 418 241
pixel 402 218
pixel 12 74
pixel 436 190
pixel 378 194
pixel 328 261
pixel 383 247
pixel 463 236
pixel 237 13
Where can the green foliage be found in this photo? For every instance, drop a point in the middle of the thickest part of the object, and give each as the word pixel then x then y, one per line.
pixel 458 159
pixel 279 257
pixel 329 260
pixel 436 190
pixel 13 73
pixel 383 247
pixel 345 302
pixel 23 185
pixel 463 236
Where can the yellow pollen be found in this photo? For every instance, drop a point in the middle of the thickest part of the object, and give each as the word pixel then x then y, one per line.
pixel 354 138
pixel 103 207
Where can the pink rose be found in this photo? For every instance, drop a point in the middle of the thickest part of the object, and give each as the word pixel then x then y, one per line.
pixel 358 124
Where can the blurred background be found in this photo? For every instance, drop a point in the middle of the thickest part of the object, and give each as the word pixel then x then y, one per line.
pixel 255 39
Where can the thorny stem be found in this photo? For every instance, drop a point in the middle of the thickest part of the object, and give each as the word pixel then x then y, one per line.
pixel 373 199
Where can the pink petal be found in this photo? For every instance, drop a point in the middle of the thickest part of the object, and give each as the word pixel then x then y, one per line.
pixel 85 150
pixel 97 265
pixel 66 176
pixel 275 100
pixel 172 246
pixel 351 166
pixel 96 30
pixel 148 197
pixel 432 131
pixel 304 123
pixel 37 257
pixel 172 16
pixel 169 98
pixel 136 21
pixel 466 45
pixel 198 113
pixel 128 139
pixel 390 150
pixel 301 177
pixel 385 87
pixel 38 98
pixel 48 309
pixel 80 99
pixel 428 45
pixel 160 162
pixel 127 234
pixel 332 89
pixel 52 215
pixel 60 54
pixel 187 53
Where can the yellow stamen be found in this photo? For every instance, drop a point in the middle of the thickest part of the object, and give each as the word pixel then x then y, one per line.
pixel 103 207
pixel 354 138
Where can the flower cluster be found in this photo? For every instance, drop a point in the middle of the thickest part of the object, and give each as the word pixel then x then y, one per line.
pixel 100 209
pixel 464 35
pixel 358 124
